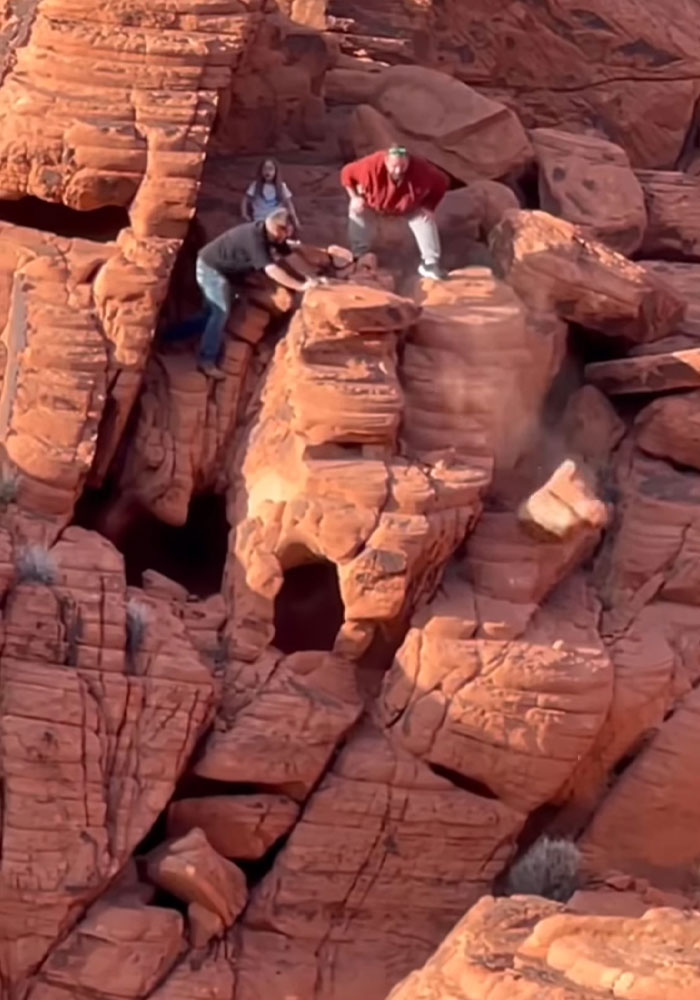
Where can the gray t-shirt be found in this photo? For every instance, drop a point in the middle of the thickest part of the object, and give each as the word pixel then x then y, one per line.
pixel 242 249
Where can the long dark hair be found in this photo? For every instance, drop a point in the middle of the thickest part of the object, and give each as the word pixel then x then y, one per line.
pixel 277 181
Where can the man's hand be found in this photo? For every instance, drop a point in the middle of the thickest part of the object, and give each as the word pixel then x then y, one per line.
pixel 357 204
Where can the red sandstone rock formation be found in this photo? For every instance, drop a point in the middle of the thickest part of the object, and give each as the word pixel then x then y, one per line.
pixel 526 948
pixel 458 598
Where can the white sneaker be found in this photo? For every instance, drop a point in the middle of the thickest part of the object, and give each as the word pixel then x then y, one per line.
pixel 432 271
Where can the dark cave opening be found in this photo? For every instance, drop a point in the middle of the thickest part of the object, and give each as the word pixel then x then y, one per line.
pixel 308 608
pixel 98 224
pixel 193 555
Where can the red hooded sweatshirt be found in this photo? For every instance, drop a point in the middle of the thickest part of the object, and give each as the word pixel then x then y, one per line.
pixel 423 185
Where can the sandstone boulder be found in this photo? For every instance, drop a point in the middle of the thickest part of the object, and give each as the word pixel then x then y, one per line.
pixel 237 826
pixel 190 869
pixel 508 563
pixel 455 127
pixel 685 279
pixel 673 205
pixel 655 542
pixel 590 182
pixel 338 503
pixel 513 716
pixel 648 822
pixel 116 946
pixel 655 664
pixel 592 428
pixel 380 829
pixel 551 264
pixel 285 737
pixel 466 216
pixel 670 428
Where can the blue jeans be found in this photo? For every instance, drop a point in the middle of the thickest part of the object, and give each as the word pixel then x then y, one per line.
pixel 216 290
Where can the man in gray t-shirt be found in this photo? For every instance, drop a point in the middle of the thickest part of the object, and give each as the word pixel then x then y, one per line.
pixel 229 259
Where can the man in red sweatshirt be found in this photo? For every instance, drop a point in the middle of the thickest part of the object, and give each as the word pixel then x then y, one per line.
pixel 391 182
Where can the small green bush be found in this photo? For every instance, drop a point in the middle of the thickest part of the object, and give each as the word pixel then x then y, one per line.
pixel 35 564
pixel 136 625
pixel 9 488
pixel 550 868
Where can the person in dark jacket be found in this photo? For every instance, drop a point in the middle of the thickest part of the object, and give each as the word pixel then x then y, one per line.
pixel 391 182
pixel 227 261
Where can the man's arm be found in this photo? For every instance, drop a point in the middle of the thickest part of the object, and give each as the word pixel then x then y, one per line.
pixel 353 176
pixel 282 277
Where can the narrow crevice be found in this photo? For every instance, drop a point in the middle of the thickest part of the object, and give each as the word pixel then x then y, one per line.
pixel 472 785
pixel 539 823
pixel 193 786
pixel 255 871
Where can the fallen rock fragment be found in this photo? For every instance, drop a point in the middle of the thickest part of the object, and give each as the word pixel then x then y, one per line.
pixel 589 181
pixel 564 506
pixel 190 869
pixel 552 265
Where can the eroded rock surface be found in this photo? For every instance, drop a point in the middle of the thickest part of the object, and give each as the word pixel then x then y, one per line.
pixel 381 828
pixel 527 947
pixel 93 739
pixel 460 601
pixel 514 715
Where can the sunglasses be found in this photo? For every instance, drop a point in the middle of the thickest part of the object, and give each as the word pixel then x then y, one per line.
pixel 398 151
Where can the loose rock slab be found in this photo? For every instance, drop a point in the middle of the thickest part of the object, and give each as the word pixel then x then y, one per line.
pixel 551 264
pixel 652 373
